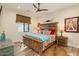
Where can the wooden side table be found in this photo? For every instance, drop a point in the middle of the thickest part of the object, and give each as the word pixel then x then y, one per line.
pixel 62 41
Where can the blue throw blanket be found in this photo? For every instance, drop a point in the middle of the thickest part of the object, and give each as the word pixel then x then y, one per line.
pixel 40 36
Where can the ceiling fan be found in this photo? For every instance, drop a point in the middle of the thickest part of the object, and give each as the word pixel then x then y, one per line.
pixel 0 9
pixel 38 8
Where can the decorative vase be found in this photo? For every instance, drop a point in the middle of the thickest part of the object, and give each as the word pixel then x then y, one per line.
pixel 3 36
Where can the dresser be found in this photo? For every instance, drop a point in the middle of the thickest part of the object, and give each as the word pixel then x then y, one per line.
pixel 6 48
pixel 62 41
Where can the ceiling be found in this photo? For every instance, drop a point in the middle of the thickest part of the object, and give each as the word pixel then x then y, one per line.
pixel 28 7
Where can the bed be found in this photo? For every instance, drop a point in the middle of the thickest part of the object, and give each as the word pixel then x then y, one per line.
pixel 40 42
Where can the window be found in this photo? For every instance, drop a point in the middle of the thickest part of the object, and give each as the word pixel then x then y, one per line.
pixel 23 27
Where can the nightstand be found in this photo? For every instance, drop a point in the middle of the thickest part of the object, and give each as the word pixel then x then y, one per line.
pixel 62 41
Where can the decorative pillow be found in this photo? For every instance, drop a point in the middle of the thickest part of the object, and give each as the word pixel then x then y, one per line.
pixel 46 32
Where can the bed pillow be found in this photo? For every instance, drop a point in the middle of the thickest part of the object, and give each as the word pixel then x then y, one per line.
pixel 46 32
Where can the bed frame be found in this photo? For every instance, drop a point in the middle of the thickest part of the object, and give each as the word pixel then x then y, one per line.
pixel 35 43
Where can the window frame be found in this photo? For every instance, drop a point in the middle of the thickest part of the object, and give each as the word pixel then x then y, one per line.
pixel 24 24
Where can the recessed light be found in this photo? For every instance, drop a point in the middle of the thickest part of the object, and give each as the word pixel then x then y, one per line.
pixel 19 6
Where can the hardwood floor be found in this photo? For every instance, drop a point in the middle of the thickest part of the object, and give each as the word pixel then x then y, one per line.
pixel 52 51
pixel 55 51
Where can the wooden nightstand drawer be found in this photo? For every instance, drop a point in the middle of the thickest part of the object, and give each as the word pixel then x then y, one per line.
pixel 62 41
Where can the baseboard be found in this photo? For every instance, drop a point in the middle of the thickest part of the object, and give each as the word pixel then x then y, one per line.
pixel 72 45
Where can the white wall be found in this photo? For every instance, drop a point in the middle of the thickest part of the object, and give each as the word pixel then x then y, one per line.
pixel 59 16
pixel 9 25
pixel 0 23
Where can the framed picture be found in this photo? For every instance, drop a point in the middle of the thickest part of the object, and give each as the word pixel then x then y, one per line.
pixel 72 24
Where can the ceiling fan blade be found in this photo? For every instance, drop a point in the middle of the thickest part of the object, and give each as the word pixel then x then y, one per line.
pixel 38 8
pixel 43 9
pixel 35 6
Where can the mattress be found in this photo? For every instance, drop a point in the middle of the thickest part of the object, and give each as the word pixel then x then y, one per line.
pixel 40 36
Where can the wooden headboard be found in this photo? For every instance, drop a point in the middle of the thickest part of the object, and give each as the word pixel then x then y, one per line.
pixel 50 27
